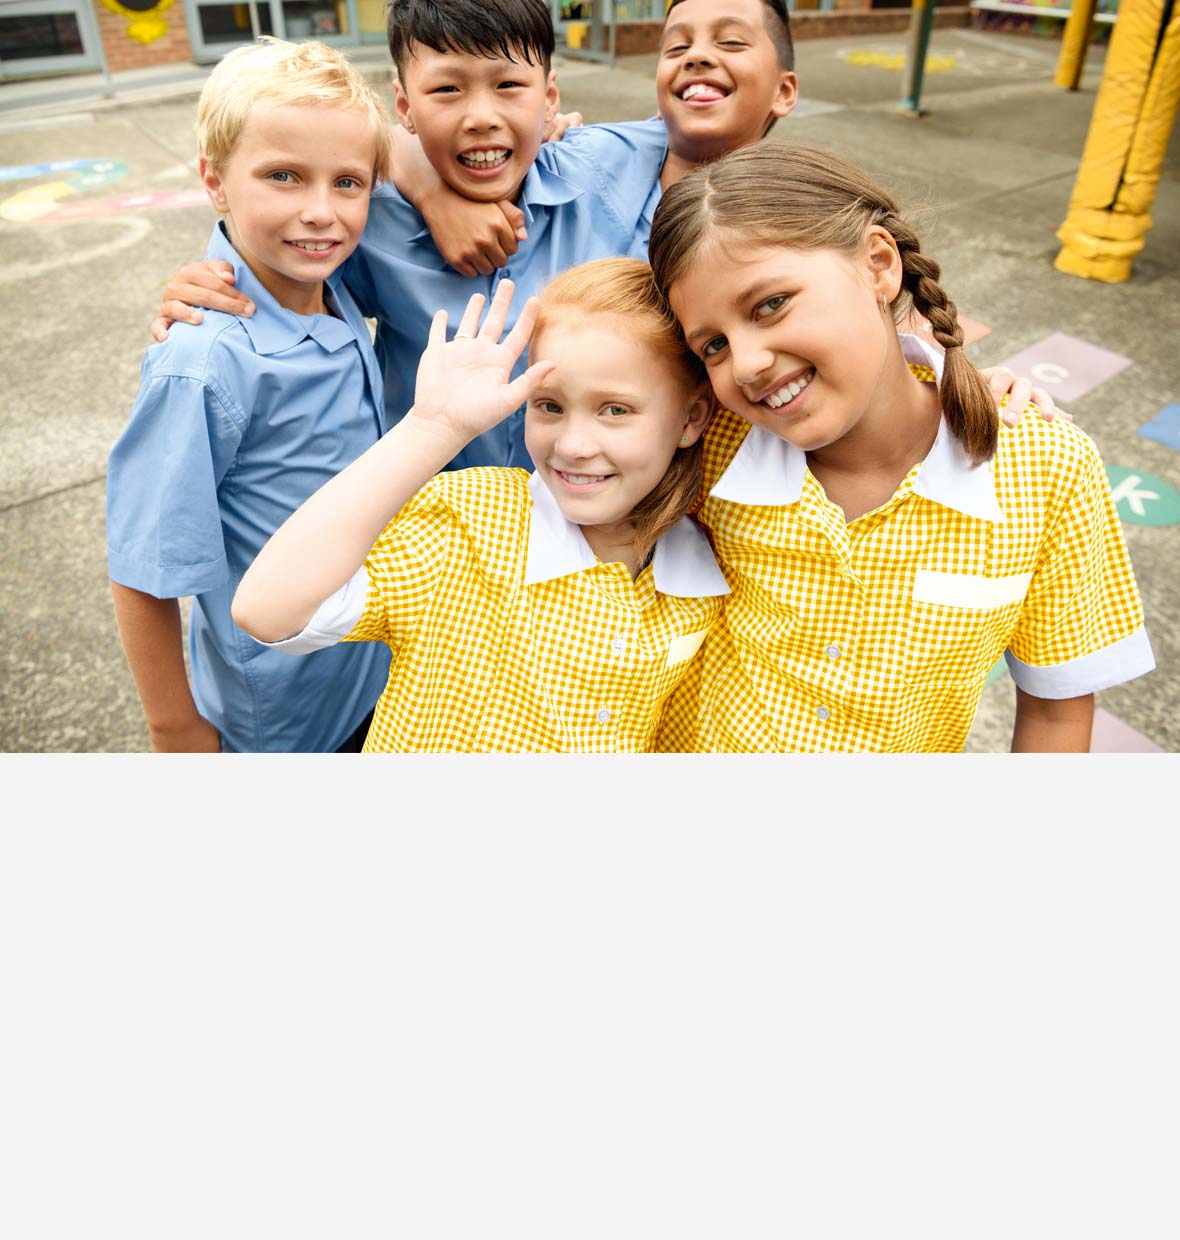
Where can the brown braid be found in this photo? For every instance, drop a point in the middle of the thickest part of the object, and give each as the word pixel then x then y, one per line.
pixel 966 399
pixel 811 199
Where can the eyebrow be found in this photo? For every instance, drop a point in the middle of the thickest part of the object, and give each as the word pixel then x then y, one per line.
pixel 715 24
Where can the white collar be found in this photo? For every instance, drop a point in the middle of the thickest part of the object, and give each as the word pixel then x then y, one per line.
pixel 683 564
pixel 766 470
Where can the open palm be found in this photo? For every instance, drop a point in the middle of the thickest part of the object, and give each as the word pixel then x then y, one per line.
pixel 464 384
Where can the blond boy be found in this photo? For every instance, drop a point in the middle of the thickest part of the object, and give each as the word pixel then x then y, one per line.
pixel 238 421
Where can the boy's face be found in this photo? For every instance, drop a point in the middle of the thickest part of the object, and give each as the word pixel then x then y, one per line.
pixel 718 82
pixel 295 194
pixel 480 119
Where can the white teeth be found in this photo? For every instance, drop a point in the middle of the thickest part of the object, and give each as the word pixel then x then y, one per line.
pixel 484 159
pixel 582 479
pixel 699 88
pixel 788 391
pixel 314 246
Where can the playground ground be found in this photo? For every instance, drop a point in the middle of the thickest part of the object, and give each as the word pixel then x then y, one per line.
pixel 989 168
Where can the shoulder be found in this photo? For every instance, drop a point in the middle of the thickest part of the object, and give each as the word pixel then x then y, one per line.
pixel 389 213
pixel 194 349
pixel 632 146
pixel 1055 452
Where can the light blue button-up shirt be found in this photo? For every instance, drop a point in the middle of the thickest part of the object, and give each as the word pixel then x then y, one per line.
pixel 583 199
pixel 237 422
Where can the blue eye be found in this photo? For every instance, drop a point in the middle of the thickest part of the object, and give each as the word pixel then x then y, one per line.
pixel 281 177
pixel 714 346
pixel 349 183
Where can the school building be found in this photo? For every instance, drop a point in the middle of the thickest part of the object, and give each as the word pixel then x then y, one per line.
pixel 50 37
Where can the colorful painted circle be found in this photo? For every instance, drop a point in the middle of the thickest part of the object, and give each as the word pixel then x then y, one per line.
pixel 1143 499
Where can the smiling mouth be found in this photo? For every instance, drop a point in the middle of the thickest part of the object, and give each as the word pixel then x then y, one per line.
pixel 785 394
pixel 484 160
pixel 314 247
pixel 702 93
pixel 581 480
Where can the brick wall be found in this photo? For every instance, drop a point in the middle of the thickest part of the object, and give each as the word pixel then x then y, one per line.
pixel 637 38
pixel 124 52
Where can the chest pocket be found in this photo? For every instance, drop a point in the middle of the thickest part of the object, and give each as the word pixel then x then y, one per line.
pixel 959 624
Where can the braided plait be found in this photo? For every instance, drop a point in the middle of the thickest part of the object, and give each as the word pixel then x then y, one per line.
pixel 966 399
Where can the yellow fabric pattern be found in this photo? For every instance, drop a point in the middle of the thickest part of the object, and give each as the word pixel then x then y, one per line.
pixel 483 663
pixel 822 646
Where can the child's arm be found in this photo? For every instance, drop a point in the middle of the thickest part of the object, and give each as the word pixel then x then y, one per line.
pixel 463 389
pixel 1048 725
pixel 150 631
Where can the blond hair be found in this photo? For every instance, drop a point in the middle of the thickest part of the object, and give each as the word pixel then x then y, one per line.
pixel 277 73
pixel 810 199
pixel 625 289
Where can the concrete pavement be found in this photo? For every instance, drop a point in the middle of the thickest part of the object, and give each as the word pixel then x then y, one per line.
pixel 989 171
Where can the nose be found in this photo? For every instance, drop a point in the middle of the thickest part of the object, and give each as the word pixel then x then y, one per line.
pixel 575 440
pixel 750 359
pixel 317 206
pixel 697 56
pixel 482 112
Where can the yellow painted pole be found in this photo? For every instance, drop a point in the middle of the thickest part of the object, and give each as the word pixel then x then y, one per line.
pixel 1109 211
pixel 1075 39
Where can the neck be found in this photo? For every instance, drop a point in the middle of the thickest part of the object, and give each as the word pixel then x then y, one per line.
pixel 614 543
pixel 894 434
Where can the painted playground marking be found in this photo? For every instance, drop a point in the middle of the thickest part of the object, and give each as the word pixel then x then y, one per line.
pixel 1164 427
pixel 972 330
pixel 129 202
pixel 1112 735
pixel 870 58
pixel 39 200
pixel 1066 366
pixel 1141 498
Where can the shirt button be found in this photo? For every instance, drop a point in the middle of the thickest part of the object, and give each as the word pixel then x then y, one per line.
pixel 603 716
pixel 833 651
pixel 618 646
pixel 823 713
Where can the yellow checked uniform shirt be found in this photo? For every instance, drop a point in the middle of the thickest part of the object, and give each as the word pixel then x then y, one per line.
pixel 508 634
pixel 877 635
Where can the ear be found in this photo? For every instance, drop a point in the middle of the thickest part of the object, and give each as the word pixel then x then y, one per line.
pixel 401 105
pixel 214 186
pixel 787 94
pixel 883 262
pixel 698 416
pixel 552 97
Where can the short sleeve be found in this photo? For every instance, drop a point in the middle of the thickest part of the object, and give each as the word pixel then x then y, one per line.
pixel 406 566
pixel 164 534
pixel 619 164
pixel 1081 627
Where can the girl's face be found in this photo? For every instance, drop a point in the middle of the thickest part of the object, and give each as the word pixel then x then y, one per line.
pixel 603 427
pixel 795 341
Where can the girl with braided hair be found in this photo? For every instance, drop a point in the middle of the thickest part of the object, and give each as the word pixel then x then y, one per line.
pixel 885 537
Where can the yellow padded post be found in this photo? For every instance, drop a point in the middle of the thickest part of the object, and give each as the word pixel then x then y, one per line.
pixel 1075 39
pixel 1109 211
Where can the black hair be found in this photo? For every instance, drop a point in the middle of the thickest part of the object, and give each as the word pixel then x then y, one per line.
pixel 778 27
pixel 509 28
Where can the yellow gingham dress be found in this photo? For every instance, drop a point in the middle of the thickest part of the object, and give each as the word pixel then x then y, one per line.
pixel 485 660
pixel 877 635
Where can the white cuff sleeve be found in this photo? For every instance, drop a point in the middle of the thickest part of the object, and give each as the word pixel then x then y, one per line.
pixel 334 618
pixel 1112 665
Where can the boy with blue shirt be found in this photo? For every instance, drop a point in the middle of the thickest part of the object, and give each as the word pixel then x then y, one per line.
pixel 238 421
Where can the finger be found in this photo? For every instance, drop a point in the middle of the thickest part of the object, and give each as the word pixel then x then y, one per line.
pixel 575 120
pixel 505 242
pixel 999 379
pixel 159 329
pixel 227 300
pixel 482 266
pixel 181 312
pixel 522 329
pixel 494 253
pixel 470 320
pixel 438 329
pixel 497 316
pixel 520 391
pixel 1018 398
pixel 1045 402
pixel 515 217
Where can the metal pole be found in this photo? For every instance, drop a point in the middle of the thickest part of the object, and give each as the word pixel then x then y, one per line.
pixel 921 23
pixel 1075 39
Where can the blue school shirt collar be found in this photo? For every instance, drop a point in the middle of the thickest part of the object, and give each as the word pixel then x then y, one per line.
pixel 683 563
pixel 540 188
pixel 766 470
pixel 273 328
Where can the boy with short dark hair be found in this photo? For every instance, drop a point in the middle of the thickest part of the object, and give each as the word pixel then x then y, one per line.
pixel 238 421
